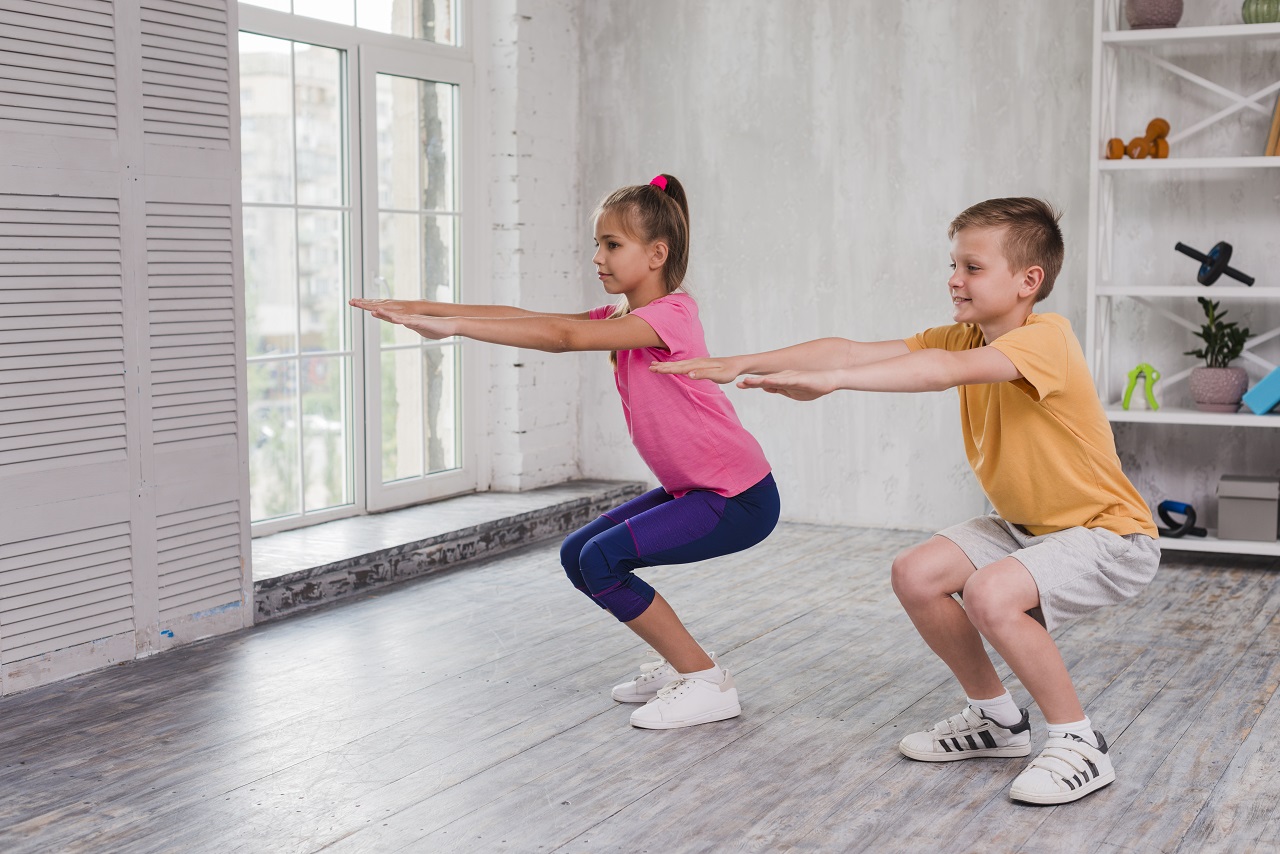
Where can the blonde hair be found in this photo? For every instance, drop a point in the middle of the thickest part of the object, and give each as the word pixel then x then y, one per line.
pixel 1031 237
pixel 651 212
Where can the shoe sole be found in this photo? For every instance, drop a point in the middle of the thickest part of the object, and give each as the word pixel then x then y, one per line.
pixel 632 698
pixel 708 718
pixel 1064 797
pixel 1010 752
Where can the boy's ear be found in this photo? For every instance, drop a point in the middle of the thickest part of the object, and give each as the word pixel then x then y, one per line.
pixel 658 255
pixel 1032 278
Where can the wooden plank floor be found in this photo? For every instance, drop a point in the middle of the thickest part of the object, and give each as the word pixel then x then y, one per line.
pixel 470 712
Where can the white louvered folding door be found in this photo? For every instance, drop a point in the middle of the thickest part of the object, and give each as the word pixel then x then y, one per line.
pixel 123 475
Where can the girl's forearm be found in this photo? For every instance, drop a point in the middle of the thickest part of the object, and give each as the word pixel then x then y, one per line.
pixel 430 308
pixel 530 331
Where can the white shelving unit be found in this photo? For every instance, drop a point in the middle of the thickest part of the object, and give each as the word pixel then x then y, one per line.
pixel 1103 291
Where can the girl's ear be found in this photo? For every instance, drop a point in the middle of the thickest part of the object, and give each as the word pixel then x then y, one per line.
pixel 657 255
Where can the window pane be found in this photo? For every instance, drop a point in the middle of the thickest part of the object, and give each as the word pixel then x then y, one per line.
pixel 432 20
pixel 273 439
pixel 439 236
pixel 401 414
pixel 278 5
pixel 318 99
pixel 322 269
pixel 326 444
pixel 266 119
pixel 270 280
pixel 442 415
pixel 399 254
pixel 415 144
pixel 338 11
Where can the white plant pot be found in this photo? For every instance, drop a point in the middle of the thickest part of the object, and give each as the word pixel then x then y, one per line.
pixel 1218 389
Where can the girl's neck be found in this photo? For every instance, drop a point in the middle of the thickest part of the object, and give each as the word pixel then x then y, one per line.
pixel 646 293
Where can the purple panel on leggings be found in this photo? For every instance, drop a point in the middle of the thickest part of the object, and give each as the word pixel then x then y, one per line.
pixel 678 523
pixel 623 602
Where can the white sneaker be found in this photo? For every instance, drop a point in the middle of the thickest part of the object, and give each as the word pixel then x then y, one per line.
pixel 1066 770
pixel 689 702
pixel 968 735
pixel 654 676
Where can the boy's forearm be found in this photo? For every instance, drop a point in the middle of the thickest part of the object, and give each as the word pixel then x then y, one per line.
pixel 923 370
pixel 822 354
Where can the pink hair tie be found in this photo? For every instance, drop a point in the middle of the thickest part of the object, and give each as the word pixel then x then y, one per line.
pixel 660 182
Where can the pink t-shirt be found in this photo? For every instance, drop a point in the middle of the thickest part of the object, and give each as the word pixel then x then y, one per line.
pixel 685 430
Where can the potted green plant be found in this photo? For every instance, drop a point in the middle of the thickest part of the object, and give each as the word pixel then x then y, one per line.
pixel 1217 386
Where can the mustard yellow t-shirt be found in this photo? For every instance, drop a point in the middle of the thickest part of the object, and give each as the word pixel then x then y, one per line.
pixel 1041 446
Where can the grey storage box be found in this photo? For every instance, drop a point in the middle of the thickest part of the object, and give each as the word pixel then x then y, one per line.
pixel 1248 507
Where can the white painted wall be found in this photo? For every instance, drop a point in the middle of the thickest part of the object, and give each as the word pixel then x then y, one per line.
pixel 825 145
pixel 537 233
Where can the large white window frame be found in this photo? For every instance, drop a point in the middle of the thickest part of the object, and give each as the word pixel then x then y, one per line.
pixel 367 54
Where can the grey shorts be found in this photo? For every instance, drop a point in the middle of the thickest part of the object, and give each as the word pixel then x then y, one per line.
pixel 1076 569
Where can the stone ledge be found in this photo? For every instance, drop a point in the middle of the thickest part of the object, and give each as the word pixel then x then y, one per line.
pixel 554 511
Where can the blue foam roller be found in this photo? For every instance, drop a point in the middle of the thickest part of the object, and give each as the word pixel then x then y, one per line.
pixel 1263 397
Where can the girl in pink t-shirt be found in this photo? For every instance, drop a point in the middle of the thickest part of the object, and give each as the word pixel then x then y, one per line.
pixel 717 495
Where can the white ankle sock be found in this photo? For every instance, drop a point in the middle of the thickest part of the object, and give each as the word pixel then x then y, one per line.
pixel 1003 710
pixel 1083 728
pixel 715 674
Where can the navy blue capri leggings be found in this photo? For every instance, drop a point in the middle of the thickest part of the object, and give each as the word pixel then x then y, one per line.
pixel 657 529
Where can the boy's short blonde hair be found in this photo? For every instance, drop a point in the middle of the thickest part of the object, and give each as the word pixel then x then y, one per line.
pixel 1031 237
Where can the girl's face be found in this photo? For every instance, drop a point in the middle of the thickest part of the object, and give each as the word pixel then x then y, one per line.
pixel 623 262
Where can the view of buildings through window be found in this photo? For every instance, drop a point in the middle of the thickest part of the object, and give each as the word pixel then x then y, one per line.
pixel 302 220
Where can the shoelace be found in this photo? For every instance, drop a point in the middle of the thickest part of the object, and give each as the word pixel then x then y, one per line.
pixel 671 691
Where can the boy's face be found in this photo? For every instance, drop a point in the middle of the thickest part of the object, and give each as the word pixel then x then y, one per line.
pixel 984 291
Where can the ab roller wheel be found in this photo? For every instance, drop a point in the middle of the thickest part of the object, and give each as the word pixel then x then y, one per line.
pixel 1215 264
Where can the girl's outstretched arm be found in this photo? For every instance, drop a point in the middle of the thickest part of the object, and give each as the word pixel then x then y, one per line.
pixel 923 370
pixel 429 308
pixel 822 354
pixel 550 333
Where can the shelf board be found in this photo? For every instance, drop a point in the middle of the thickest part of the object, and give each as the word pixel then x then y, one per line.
pixel 1151 164
pixel 1181 35
pixel 1212 544
pixel 1213 292
pixel 1173 415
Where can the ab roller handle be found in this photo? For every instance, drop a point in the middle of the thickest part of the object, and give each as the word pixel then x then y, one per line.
pixel 1215 264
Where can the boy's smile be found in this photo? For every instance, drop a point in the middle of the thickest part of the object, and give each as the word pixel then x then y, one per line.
pixel 984 290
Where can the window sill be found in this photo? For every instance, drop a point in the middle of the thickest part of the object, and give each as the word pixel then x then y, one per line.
pixel 308 567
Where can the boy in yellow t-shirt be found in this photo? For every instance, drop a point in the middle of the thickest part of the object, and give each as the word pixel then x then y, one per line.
pixel 1069 532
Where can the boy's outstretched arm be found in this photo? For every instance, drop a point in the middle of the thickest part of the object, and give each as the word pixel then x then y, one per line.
pixel 550 333
pixel 822 354
pixel 430 308
pixel 922 370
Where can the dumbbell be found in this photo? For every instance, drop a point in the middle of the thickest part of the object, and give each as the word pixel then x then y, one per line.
pixel 1154 144
pixel 1215 263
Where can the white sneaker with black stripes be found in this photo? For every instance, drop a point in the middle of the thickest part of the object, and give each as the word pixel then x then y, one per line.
pixel 968 735
pixel 1066 770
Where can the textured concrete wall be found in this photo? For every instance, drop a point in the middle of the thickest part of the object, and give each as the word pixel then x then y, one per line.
pixel 825 145
pixel 537 234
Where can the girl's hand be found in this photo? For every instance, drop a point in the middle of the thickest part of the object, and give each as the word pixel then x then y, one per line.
pixel 717 370
pixel 398 306
pixel 434 328
pixel 797 385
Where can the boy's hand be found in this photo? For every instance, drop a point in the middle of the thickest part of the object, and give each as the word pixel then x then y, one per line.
pixel 797 385
pixel 434 328
pixel 717 370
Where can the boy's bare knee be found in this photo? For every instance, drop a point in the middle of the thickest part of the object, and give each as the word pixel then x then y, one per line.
pixel 987 603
